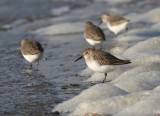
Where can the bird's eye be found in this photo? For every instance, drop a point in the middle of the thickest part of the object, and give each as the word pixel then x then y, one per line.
pixel 86 52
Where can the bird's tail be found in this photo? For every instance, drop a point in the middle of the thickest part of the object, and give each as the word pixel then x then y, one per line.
pixel 121 62
pixel 126 61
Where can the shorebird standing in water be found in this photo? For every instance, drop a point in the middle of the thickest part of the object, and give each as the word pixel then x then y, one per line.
pixel 32 51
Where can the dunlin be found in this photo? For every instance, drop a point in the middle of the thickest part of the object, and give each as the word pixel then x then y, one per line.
pixel 31 50
pixel 93 34
pixel 115 24
pixel 100 61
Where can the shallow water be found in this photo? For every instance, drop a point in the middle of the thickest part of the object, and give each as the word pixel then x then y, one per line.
pixel 26 93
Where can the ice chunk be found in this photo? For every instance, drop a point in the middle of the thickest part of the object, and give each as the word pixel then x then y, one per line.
pixel 107 106
pixel 149 106
pixel 63 28
pixel 96 92
pixel 60 11
pixel 138 79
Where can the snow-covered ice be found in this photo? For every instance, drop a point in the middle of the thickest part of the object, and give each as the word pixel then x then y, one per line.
pixel 96 92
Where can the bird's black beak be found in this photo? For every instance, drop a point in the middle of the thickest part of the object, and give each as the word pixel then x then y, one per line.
pixel 100 22
pixel 78 58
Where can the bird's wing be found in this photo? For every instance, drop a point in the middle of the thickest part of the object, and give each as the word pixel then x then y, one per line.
pixel 105 58
pixel 95 33
pixel 115 20
pixel 32 48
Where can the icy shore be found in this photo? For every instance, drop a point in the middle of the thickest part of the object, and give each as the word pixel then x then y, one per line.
pixel 134 89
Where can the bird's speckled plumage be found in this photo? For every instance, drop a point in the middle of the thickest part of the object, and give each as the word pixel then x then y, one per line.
pixel 93 32
pixel 114 20
pixel 100 61
pixel 31 47
pixel 103 58
pixel 32 51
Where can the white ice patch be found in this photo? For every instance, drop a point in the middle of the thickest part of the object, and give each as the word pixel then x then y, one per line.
pixel 152 16
pixel 96 92
pixel 149 106
pixel 108 105
pixel 62 28
pixel 60 11
pixel 137 80
pixel 151 46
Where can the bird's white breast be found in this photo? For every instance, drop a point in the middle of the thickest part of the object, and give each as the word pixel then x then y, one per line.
pixel 92 64
pixel 93 42
pixel 117 28
pixel 32 58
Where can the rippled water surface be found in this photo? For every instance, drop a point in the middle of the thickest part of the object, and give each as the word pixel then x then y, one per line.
pixel 25 92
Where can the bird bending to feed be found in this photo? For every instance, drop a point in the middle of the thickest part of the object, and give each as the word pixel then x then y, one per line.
pixel 100 61
pixel 32 51
pixel 115 24
pixel 93 34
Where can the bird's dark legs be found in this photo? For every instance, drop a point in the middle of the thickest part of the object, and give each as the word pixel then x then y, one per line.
pixel 101 46
pixel 113 34
pixel 30 66
pixel 105 74
pixel 116 35
pixel 126 29
pixel 37 65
